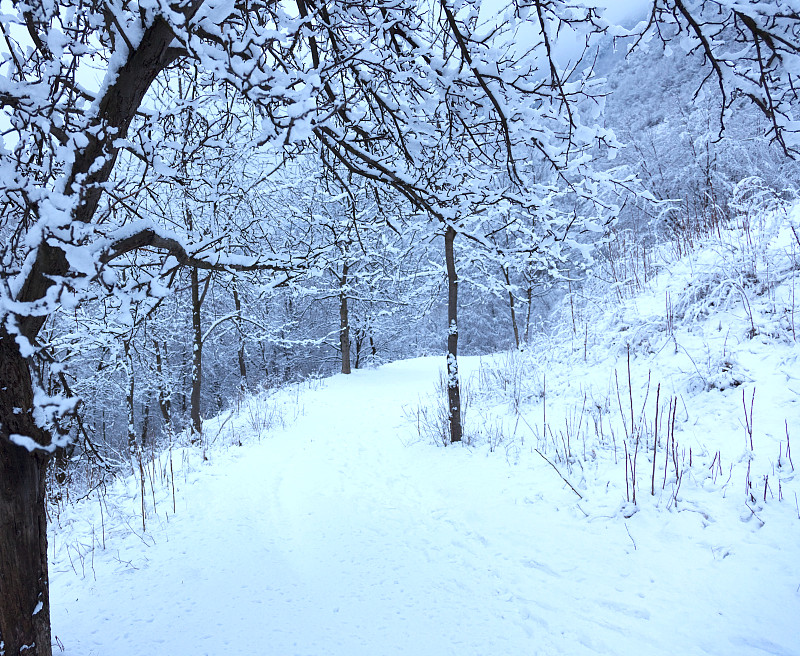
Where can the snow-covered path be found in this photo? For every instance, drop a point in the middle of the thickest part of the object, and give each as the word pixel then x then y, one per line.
pixel 336 536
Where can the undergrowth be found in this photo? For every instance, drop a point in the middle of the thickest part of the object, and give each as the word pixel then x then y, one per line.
pixel 135 490
pixel 648 386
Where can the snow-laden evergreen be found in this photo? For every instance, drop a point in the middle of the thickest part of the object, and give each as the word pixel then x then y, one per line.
pixel 628 484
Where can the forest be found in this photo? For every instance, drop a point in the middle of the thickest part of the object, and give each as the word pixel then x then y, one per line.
pixel 205 200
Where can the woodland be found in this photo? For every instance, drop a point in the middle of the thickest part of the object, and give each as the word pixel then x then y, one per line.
pixel 203 199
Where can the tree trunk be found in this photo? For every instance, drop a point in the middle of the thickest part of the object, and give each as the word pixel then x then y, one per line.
pixel 164 401
pixel 130 399
pixel 285 351
pixel 512 306
pixel 242 365
pixel 24 586
pixel 145 422
pixel 453 389
pixel 344 321
pixel 528 316
pixel 359 340
pixel 197 357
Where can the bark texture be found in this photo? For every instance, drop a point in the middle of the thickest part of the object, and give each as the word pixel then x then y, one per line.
pixel 453 384
pixel 24 586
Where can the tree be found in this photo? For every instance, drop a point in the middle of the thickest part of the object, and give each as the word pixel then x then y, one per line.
pixel 57 163
pixel 453 387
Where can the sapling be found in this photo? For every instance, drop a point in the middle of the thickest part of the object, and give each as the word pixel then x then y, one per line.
pixel 630 463
pixel 627 488
pixel 143 487
pixel 580 423
pixel 630 388
pixel 673 409
pixel 567 450
pixel 752 332
pixel 621 411
pixel 655 444
pixel 172 479
pixel 727 482
pixel 719 466
pixel 102 521
pixel 675 454
pixel 788 445
pixel 674 498
pixel 614 442
pixel 633 466
pixel 748 419
pixel 152 474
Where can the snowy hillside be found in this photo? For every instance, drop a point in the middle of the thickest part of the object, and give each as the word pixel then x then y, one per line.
pixel 629 487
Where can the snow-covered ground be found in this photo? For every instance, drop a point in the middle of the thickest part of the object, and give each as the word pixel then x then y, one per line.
pixel 323 520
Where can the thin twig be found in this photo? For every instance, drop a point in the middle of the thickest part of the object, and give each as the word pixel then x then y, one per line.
pixel 559 473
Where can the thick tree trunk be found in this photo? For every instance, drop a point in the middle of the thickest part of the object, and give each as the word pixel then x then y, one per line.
pixel 344 321
pixel 24 588
pixel 93 164
pixel 453 386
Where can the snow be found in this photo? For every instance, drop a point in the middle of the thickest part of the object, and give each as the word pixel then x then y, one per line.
pixel 29 443
pixel 334 537
pixel 320 519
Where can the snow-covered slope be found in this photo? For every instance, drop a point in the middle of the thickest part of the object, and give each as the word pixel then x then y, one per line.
pixel 322 520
